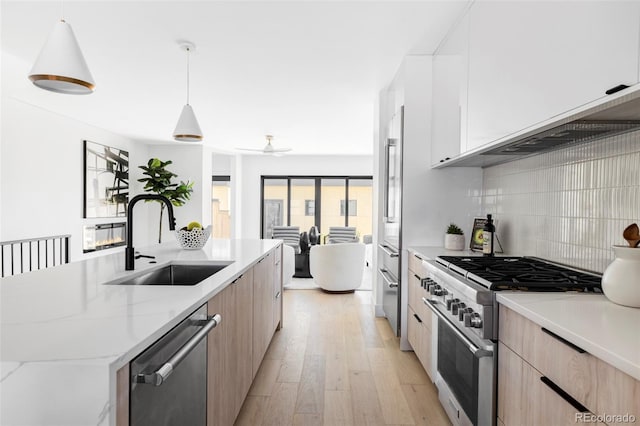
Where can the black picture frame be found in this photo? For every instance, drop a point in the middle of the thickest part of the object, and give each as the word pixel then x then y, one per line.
pixel 106 181
pixel 475 243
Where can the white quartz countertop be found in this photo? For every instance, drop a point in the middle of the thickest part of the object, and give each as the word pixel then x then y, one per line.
pixel 604 329
pixel 64 333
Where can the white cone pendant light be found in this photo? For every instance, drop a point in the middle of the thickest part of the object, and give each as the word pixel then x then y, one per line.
pixel 60 66
pixel 187 129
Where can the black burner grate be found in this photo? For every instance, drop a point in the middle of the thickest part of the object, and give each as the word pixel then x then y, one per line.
pixel 524 273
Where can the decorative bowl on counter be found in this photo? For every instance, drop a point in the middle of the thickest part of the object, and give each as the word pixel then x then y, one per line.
pixel 194 239
pixel 620 281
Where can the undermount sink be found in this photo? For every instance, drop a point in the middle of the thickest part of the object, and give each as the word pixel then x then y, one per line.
pixel 175 275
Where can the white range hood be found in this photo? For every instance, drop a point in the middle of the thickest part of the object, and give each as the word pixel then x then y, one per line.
pixel 612 115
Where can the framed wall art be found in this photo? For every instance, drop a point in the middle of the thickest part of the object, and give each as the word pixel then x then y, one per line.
pixel 106 181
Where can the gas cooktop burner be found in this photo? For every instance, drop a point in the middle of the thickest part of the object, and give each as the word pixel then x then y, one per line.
pixel 522 273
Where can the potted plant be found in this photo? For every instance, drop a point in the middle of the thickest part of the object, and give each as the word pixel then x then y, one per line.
pixel 454 238
pixel 159 182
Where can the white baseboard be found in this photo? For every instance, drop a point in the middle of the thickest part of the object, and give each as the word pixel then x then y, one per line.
pixel 380 312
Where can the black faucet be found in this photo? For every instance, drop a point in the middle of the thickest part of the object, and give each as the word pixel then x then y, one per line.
pixel 129 252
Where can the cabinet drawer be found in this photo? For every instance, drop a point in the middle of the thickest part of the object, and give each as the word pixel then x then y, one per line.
pixel 413 330
pixel 419 337
pixel 415 264
pixel 515 389
pixel 416 293
pixel 618 393
pixel 527 397
pixel 568 366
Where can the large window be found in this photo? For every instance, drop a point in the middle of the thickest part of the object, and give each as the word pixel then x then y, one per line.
pixel 323 201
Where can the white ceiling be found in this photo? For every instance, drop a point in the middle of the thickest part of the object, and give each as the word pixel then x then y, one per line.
pixel 307 72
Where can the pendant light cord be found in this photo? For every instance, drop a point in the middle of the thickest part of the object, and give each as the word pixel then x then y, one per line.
pixel 188 51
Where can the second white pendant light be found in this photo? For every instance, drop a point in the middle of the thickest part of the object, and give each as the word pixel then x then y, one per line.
pixel 187 129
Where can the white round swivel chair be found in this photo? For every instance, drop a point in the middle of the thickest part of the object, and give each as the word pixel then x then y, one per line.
pixel 337 268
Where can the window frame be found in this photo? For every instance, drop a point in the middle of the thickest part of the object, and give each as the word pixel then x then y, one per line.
pixel 318 196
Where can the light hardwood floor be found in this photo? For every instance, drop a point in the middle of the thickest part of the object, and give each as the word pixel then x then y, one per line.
pixel 333 363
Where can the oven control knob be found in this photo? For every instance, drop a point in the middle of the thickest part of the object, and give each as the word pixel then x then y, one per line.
pixel 451 302
pixel 457 306
pixel 433 288
pixel 439 291
pixel 473 320
pixel 426 282
pixel 462 312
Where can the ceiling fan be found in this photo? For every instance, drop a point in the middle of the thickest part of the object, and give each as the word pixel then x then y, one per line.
pixel 268 148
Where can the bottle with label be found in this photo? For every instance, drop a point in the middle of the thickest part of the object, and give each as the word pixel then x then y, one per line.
pixel 488 234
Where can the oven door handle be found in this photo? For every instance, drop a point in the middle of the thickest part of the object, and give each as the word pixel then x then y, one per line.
pixel 477 352
pixel 390 283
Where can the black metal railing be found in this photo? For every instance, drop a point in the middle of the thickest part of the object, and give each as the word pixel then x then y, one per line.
pixel 20 256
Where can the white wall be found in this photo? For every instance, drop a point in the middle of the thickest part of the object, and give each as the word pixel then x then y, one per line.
pixel 42 174
pixel 254 166
pixel 222 163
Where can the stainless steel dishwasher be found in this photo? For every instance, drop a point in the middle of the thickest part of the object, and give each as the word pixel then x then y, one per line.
pixel 169 379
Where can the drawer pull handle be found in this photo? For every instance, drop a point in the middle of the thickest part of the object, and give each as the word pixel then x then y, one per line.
pixel 566 342
pixel 417 317
pixel 557 389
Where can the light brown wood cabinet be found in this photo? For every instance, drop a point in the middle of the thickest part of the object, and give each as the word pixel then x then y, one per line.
pixel 544 379
pixel 263 307
pixel 229 373
pixel 277 289
pixel 419 316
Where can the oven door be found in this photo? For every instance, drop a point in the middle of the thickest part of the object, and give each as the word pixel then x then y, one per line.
pixel 466 374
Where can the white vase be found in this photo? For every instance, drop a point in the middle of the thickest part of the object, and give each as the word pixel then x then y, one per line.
pixel 454 242
pixel 621 279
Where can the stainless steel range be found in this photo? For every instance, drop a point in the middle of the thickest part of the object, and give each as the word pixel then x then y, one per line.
pixel 461 293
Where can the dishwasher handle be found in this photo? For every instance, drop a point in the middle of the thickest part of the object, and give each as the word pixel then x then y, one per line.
pixel 158 377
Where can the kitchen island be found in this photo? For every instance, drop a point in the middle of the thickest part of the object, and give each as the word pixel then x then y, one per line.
pixel 65 332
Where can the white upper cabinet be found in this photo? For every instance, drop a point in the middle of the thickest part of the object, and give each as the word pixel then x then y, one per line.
pixel 529 61
pixel 450 94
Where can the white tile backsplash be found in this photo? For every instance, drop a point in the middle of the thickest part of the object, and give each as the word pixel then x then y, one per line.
pixel 569 205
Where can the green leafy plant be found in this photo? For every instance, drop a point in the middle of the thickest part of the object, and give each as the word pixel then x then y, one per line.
pixel 454 229
pixel 159 181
